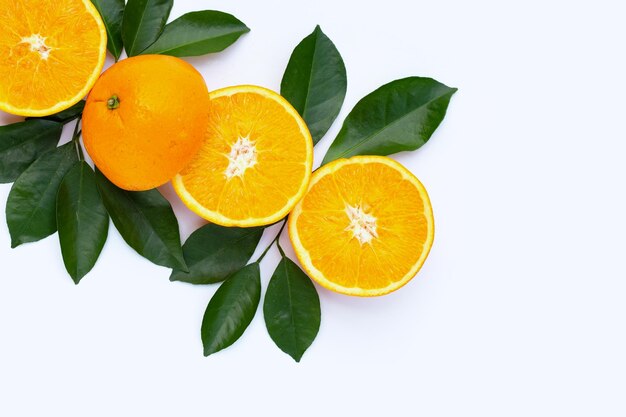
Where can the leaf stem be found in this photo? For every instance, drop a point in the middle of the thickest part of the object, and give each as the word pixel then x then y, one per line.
pixel 280 249
pixel 76 139
pixel 78 116
pixel 275 240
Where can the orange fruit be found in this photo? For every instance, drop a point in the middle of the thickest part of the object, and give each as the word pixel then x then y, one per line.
pixel 255 162
pixel 365 226
pixel 145 119
pixel 51 53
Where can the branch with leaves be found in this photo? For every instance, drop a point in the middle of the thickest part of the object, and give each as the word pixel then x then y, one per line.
pixel 55 189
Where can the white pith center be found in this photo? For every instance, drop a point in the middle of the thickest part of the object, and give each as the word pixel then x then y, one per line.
pixel 362 224
pixel 38 44
pixel 242 156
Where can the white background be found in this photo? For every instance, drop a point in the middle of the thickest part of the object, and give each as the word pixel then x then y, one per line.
pixel 520 309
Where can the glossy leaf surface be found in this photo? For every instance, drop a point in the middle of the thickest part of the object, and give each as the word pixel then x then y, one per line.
pixel 31 206
pixel 291 309
pixel 198 33
pixel 82 220
pixel 213 253
pixel 231 309
pixel 22 143
pixel 146 222
pixel 143 22
pixel 399 116
pixel 315 82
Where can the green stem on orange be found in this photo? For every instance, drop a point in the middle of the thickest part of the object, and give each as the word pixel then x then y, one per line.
pixel 113 102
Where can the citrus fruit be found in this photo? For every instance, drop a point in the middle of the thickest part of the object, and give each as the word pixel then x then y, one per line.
pixel 51 53
pixel 145 119
pixel 255 162
pixel 364 227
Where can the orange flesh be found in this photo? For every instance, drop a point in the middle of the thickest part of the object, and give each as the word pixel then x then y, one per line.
pixel 401 238
pixel 281 154
pixel 51 52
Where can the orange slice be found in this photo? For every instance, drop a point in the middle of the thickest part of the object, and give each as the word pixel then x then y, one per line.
pixel 365 226
pixel 255 162
pixel 51 54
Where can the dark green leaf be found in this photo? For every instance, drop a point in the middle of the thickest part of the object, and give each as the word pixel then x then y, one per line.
pixel 21 143
pixel 399 116
pixel 66 115
pixel 82 221
pixel 144 21
pixel 198 33
pixel 31 206
pixel 315 82
pixel 213 253
pixel 112 12
pixel 146 222
pixel 291 309
pixel 231 309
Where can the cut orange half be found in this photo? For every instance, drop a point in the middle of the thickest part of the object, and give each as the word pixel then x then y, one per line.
pixel 365 226
pixel 51 54
pixel 255 162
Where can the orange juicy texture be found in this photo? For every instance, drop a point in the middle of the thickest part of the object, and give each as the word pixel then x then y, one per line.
pixel 403 225
pixel 283 158
pixel 75 41
pixel 158 126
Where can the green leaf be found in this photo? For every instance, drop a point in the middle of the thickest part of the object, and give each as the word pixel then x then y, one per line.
pixel 112 12
pixel 291 309
pixel 198 33
pixel 213 253
pixel 82 220
pixel 143 22
pixel 399 116
pixel 231 309
pixel 21 143
pixel 31 206
pixel 146 222
pixel 66 115
pixel 315 82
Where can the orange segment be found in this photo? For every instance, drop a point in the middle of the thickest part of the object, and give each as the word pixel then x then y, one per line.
pixel 255 163
pixel 51 54
pixel 365 226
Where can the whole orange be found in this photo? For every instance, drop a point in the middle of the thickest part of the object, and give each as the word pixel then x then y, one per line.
pixel 145 119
